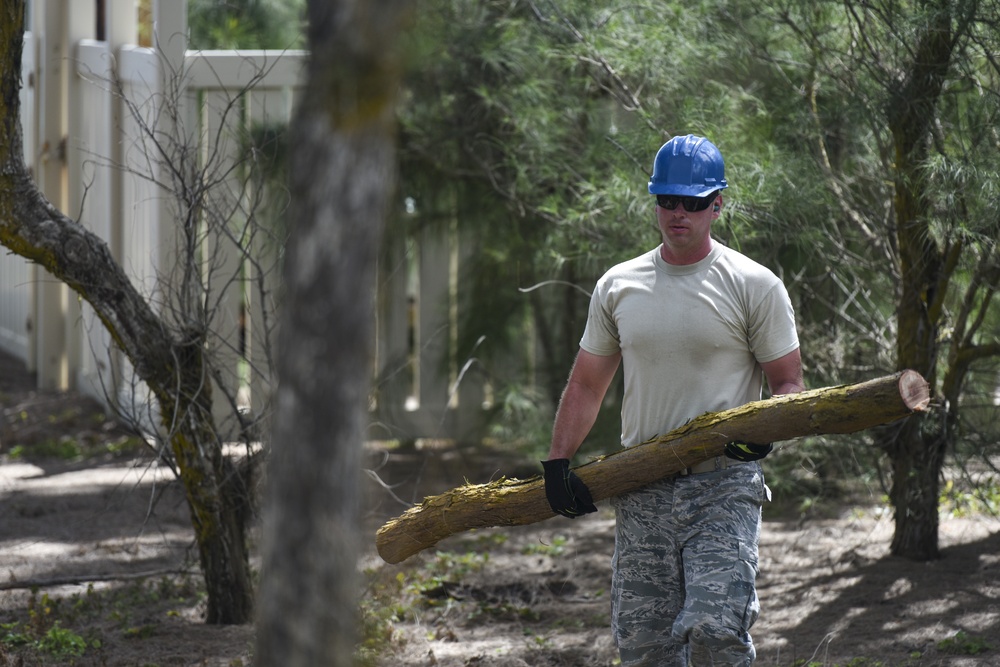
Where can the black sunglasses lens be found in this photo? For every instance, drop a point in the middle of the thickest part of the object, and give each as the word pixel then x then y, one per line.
pixel 691 204
pixel 668 202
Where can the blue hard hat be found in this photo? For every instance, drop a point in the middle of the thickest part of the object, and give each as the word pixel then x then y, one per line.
pixel 689 166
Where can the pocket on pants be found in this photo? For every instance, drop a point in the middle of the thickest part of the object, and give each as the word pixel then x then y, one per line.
pixel 743 590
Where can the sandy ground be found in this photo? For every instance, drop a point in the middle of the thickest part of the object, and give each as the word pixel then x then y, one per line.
pixel 830 593
pixel 113 532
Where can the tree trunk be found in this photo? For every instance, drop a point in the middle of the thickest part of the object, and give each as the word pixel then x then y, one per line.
pixel 217 499
pixel 168 361
pixel 917 449
pixel 342 177
pixel 512 502
pixel 915 492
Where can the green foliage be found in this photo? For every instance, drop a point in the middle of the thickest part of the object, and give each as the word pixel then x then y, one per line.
pixel 379 611
pixel 511 130
pixel 982 498
pixel 555 548
pixel 445 566
pixel 70 627
pixel 819 476
pixel 962 643
pixel 390 598
pixel 246 24
pixel 62 643
pixel 69 449
pixel 61 448
pixel 56 641
pixel 43 631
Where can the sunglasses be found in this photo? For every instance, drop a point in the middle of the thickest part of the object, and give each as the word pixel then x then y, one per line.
pixel 690 204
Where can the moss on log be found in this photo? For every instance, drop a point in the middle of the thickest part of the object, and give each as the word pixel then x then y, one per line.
pixel 514 502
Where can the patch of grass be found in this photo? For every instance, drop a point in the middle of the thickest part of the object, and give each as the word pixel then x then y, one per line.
pixel 984 498
pixel 64 449
pixel 65 628
pixel 63 643
pixel 491 540
pixel 389 599
pixel 556 548
pixel 381 606
pixel 70 449
pixel 447 566
pixel 42 633
pixel 964 644
pixel 140 632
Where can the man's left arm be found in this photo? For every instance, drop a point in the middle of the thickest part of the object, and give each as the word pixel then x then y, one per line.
pixel 784 374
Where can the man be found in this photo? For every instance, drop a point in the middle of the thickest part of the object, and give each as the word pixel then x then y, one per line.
pixel 695 325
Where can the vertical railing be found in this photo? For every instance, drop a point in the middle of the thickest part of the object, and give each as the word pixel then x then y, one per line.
pixel 423 387
pixel 90 181
pixel 239 97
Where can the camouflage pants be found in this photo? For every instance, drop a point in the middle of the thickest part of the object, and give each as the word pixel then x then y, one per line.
pixel 684 569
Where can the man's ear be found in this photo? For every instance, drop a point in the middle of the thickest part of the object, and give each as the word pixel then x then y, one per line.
pixel 718 204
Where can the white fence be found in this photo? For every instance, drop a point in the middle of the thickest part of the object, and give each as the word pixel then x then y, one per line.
pixel 87 144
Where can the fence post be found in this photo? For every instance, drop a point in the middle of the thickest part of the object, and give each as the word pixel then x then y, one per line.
pixel 169 38
pixel 396 342
pixel 218 120
pixel 262 287
pixel 89 179
pixel 121 28
pixel 48 357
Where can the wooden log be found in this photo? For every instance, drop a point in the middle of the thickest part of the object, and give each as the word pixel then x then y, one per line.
pixel 514 502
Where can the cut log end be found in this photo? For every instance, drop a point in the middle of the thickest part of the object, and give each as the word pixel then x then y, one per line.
pixel 914 390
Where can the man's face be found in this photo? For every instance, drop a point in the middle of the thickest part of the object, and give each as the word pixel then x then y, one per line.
pixel 686 234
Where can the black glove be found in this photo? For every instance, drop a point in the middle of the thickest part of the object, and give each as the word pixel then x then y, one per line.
pixel 566 493
pixel 747 451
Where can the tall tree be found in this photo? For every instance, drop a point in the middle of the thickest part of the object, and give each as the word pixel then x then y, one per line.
pixel 169 356
pixel 910 90
pixel 933 243
pixel 342 178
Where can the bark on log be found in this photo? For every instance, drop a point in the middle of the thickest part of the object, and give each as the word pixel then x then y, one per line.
pixel 514 502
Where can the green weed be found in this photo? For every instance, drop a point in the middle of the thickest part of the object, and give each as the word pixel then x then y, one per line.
pixel 392 598
pixel 53 626
pixel 964 644
pixel 56 641
pixel 555 549
pixel 380 608
pixel 61 642
pixel 68 449
pixel 983 499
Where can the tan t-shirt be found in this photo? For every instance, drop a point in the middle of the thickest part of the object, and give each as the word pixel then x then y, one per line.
pixel 692 337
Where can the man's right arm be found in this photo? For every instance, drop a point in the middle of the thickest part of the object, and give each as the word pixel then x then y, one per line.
pixel 581 401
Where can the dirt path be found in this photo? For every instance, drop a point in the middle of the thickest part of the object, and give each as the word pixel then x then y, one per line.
pixel 530 596
pixel 830 594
